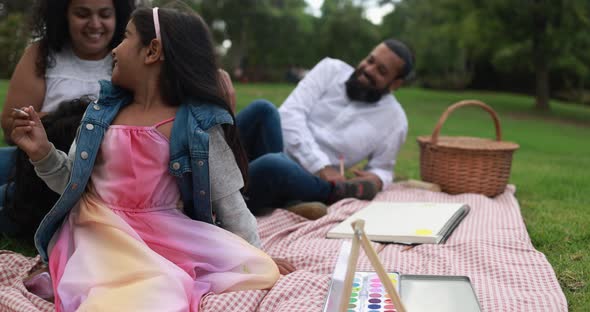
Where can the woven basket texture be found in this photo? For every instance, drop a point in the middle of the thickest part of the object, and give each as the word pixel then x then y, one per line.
pixel 461 164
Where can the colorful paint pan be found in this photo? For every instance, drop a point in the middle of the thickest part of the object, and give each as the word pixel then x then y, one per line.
pixel 369 294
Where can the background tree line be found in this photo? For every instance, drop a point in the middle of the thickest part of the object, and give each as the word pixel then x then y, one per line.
pixel 531 46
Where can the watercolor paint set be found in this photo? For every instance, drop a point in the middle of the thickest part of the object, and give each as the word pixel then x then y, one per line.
pixel 418 293
pixel 368 293
pixel 359 291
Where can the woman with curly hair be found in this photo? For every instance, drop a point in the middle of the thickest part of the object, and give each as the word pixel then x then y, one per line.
pixel 69 54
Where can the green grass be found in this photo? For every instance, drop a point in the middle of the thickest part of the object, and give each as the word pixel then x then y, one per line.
pixel 550 170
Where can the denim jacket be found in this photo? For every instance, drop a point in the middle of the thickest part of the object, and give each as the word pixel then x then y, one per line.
pixel 189 157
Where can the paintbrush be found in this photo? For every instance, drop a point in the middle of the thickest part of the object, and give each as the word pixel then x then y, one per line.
pixel 21 112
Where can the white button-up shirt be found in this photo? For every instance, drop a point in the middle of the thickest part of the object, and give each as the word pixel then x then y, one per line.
pixel 320 124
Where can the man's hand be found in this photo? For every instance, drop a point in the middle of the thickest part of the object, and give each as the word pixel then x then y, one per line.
pixel 368 176
pixel 229 93
pixel 330 174
pixel 285 267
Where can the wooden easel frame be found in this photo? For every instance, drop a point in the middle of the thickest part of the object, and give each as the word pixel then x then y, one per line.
pixel 360 239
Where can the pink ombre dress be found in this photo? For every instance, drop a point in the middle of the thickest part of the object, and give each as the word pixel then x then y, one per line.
pixel 127 247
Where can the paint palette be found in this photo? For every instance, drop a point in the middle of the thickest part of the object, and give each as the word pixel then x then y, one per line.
pixel 419 293
pixel 369 295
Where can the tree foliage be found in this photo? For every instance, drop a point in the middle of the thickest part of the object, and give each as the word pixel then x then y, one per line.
pixel 343 32
pixel 269 36
pixel 537 46
pixel 266 35
pixel 13 40
pixel 528 45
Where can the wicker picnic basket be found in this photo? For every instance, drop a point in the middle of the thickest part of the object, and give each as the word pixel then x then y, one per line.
pixel 466 164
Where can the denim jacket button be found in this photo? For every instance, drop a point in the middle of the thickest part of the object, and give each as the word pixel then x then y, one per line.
pixel 176 166
pixel 96 107
pixel 202 193
pixel 201 163
pixel 90 126
pixel 84 155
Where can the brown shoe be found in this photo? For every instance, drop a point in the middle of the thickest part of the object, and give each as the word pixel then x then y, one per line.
pixel 361 189
pixel 309 210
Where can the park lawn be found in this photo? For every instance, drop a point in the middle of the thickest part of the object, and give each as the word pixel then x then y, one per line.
pixel 550 170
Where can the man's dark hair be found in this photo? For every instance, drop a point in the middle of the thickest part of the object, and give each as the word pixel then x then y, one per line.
pixel 403 52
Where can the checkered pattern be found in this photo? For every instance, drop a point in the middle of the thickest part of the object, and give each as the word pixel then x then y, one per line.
pixel 14 268
pixel 491 246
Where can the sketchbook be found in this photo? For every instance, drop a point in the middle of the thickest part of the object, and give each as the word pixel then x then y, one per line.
pixel 405 223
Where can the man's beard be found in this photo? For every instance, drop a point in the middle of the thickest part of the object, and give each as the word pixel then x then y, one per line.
pixel 356 91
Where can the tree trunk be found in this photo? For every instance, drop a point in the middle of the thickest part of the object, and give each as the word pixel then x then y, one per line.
pixel 542 83
pixel 238 52
pixel 540 59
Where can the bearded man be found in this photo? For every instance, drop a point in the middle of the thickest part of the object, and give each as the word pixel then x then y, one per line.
pixel 336 117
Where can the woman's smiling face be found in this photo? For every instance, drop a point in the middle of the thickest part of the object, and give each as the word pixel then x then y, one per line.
pixel 91 25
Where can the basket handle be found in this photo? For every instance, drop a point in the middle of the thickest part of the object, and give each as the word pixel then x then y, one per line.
pixel 450 109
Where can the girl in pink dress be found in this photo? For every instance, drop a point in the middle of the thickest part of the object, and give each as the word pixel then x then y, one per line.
pixel 127 245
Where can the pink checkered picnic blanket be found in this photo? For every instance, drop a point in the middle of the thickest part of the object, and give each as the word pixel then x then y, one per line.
pixel 14 268
pixel 491 246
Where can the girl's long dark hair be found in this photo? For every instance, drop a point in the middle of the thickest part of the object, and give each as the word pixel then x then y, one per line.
pixel 49 25
pixel 189 69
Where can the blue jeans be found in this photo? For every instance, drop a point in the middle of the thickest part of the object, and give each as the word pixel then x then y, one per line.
pixel 7 163
pixel 7 225
pixel 274 179
pixel 259 125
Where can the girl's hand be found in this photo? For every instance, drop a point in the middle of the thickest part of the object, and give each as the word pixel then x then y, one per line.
pixel 285 267
pixel 28 133
pixel 228 89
